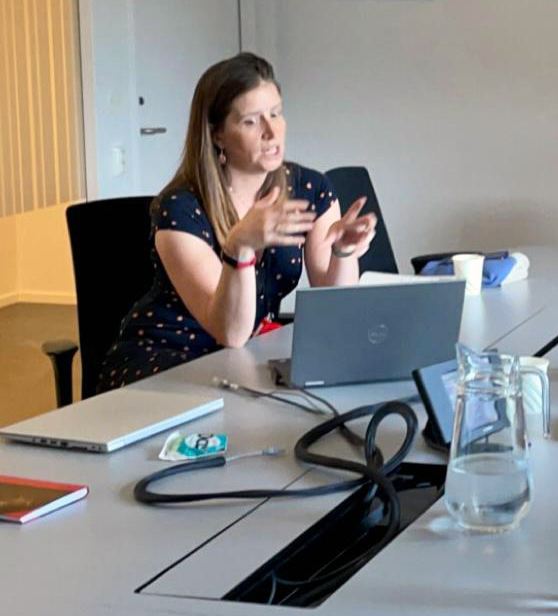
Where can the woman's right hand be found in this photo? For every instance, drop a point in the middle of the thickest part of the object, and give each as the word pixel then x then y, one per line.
pixel 269 223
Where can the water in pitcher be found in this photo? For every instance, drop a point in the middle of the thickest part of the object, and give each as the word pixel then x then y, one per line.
pixel 487 491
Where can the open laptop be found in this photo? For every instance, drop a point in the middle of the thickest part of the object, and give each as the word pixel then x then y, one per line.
pixel 110 421
pixel 371 333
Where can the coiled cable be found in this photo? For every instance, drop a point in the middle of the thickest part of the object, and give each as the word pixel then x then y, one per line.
pixel 373 471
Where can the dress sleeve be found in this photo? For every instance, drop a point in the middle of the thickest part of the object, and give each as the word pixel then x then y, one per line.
pixel 181 211
pixel 311 185
pixel 325 194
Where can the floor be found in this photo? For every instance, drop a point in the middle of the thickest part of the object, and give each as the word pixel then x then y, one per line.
pixel 26 377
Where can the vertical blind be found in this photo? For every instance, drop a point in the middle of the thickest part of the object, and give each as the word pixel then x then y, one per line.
pixel 41 127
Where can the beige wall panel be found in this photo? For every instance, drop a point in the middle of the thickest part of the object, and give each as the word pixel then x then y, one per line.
pixel 25 155
pixel 71 24
pixel 32 100
pixel 46 102
pixel 16 103
pixel 45 264
pixel 41 131
pixel 59 73
pixel 5 190
pixel 8 259
pixel 8 108
pixel 66 169
pixel 37 17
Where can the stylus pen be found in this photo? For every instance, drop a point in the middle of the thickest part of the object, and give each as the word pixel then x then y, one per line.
pixel 546 348
pixel 214 461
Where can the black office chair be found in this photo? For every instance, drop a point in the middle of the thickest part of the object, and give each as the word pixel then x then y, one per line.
pixel 112 269
pixel 351 183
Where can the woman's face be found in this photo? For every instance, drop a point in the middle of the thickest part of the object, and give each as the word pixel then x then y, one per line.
pixel 253 134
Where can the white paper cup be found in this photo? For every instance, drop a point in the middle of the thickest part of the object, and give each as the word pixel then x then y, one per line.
pixel 469 267
pixel 531 385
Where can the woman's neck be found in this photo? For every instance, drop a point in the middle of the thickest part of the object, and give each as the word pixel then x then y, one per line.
pixel 244 189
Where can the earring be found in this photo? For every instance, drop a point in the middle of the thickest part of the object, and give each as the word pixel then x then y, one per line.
pixel 222 157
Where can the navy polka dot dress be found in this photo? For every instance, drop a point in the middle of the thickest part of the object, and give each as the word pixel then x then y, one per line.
pixel 159 332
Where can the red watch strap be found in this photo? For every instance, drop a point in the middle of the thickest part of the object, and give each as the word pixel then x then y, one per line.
pixel 237 264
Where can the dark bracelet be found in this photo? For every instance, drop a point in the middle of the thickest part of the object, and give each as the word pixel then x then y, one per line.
pixel 235 263
pixel 340 254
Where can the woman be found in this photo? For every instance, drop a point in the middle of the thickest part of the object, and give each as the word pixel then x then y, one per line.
pixel 229 228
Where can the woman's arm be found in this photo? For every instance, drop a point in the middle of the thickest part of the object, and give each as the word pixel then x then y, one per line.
pixel 221 298
pixel 336 242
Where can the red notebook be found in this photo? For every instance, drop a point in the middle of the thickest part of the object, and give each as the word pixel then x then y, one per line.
pixel 23 500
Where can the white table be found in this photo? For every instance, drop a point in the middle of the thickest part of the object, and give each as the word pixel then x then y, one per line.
pixel 90 557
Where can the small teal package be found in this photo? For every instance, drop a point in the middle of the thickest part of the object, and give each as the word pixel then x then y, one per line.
pixel 192 446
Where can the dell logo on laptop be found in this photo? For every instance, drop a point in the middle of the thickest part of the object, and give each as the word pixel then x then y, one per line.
pixel 377 334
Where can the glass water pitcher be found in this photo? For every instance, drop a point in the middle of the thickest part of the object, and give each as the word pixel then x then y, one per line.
pixel 489 486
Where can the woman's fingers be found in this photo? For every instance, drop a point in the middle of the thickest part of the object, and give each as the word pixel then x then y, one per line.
pixel 352 213
pixel 296 216
pixel 283 224
pixel 358 228
pixel 295 205
pixel 290 228
pixel 364 243
pixel 294 222
pixel 290 240
pixel 354 236
pixel 269 199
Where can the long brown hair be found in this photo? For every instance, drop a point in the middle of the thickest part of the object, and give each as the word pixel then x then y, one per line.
pixel 200 170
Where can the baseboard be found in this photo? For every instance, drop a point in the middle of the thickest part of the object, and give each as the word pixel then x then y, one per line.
pixel 8 298
pixel 38 297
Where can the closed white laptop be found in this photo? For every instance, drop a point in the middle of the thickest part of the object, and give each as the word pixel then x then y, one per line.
pixel 110 421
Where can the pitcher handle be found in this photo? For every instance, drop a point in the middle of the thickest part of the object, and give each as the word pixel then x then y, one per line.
pixel 545 395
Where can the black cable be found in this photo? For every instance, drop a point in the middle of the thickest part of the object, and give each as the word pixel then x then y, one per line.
pixel 273 396
pixel 273 589
pixel 372 453
pixel 304 599
pixel 350 436
pixel 332 579
pixel 339 575
pixel 546 348
pixel 143 494
pixel 379 412
pixel 373 472
pixel 325 402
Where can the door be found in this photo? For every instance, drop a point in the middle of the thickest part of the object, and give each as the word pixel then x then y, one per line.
pixel 174 42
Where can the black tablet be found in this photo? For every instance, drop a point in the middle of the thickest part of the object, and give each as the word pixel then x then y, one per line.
pixel 437 386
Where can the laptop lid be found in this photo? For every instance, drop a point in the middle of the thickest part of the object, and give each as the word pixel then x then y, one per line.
pixel 110 421
pixel 373 333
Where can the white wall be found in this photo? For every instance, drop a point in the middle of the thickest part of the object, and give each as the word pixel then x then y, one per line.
pixel 108 94
pixel 157 50
pixel 451 104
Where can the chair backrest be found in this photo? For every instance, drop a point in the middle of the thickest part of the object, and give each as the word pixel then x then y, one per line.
pixel 112 269
pixel 351 183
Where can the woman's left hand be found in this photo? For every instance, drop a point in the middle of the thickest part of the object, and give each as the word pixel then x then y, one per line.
pixel 352 234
